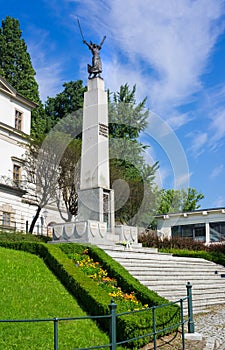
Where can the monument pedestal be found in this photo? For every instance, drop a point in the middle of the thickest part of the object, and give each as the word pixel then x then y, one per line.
pixel 89 231
pixel 95 232
pixel 97 204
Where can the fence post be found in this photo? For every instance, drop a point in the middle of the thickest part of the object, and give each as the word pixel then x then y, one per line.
pixel 112 331
pixel 154 326
pixel 191 327
pixel 55 333
pixel 182 322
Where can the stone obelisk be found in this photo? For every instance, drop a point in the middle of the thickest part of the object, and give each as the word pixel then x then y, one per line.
pixel 95 196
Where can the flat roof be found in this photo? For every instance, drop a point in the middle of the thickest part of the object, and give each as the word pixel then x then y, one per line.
pixel 192 212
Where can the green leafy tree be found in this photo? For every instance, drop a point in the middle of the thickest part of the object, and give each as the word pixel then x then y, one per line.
pixel 127 119
pixel 172 201
pixel 191 198
pixel 17 69
pixel 69 101
pixel 15 61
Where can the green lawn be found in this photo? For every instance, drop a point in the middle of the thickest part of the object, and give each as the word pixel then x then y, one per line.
pixel 29 290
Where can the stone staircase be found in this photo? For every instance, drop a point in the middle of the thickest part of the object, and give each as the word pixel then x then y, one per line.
pixel 168 275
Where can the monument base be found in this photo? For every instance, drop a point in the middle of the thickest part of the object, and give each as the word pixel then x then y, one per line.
pixel 93 232
pixel 97 204
pixel 89 231
pixel 127 233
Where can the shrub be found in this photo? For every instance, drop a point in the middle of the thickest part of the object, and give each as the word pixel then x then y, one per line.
pixel 87 292
pixel 136 324
pixel 18 236
pixel 151 239
pixel 185 247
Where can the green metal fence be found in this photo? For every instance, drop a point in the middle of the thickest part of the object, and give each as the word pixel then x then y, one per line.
pixel 112 316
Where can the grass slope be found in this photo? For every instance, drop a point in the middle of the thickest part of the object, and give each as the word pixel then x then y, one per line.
pixel 29 290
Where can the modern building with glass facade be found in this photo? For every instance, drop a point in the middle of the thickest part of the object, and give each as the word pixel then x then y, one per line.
pixel 205 225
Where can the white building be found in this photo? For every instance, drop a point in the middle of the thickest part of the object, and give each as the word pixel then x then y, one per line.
pixel 205 225
pixel 15 121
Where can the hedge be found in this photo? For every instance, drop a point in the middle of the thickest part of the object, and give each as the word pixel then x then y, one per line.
pixel 94 301
pixel 138 323
pixel 214 256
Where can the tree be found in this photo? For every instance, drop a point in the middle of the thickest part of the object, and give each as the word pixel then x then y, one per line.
pixel 172 201
pixel 64 113
pixel 69 179
pixel 41 165
pixel 17 69
pixel 128 168
pixel 15 61
pixel 68 101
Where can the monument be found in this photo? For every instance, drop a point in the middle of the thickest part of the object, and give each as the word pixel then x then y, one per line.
pixel 95 222
pixel 96 199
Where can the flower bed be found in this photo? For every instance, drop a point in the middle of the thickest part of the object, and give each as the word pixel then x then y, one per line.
pixel 126 301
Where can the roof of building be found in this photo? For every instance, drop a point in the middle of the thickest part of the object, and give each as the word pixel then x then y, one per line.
pixel 193 212
pixel 6 88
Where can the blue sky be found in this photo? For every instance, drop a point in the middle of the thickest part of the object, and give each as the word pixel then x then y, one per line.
pixel 173 50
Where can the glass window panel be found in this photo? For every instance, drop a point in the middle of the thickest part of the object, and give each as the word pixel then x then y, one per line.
pixel 200 233
pixel 16 173
pixel 217 231
pixel 187 231
pixel 18 120
pixel 176 231
pixel 6 218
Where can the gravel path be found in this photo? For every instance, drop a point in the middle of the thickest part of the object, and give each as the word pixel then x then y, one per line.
pixel 212 327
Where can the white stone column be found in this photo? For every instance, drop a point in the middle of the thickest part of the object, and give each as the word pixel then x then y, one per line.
pixel 207 232
pixel 95 198
pixel 95 148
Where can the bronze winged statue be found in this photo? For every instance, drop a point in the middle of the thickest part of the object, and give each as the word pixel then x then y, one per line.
pixel 96 69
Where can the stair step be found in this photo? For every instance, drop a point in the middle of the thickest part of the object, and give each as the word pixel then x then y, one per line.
pixel 168 275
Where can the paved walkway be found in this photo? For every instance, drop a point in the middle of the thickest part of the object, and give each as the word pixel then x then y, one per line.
pixel 212 327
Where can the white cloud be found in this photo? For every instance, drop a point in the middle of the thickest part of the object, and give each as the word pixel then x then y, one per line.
pixel 217 128
pixel 49 79
pixel 199 140
pixel 117 74
pixel 183 180
pixel 178 120
pixel 217 171
pixel 48 67
pixel 173 40
pixel 162 49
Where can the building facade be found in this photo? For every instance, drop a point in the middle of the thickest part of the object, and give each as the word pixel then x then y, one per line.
pixel 16 211
pixel 205 225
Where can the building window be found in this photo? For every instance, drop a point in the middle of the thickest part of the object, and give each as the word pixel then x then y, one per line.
pixel 18 120
pixel 217 231
pixel 6 219
pixel 16 173
pixel 193 231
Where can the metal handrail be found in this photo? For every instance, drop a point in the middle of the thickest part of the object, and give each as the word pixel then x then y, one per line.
pixel 113 316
